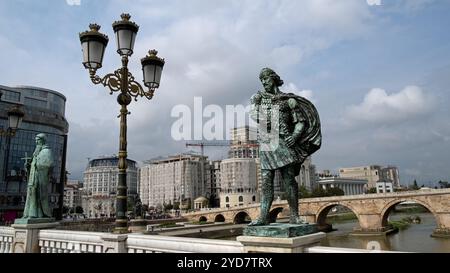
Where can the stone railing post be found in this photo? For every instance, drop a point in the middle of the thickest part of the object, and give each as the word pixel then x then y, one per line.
pixel 26 237
pixel 115 243
pixel 254 244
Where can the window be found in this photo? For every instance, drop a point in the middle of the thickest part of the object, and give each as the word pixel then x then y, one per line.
pixel 35 103
pixel 11 95
pixel 227 199
pixel 241 199
pixel 254 198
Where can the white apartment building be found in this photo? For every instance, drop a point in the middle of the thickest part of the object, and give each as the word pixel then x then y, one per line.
pixel 350 186
pixel 100 186
pixel 72 194
pixel 385 187
pixel 176 179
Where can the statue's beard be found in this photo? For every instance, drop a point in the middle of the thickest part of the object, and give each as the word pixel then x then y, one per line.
pixel 37 150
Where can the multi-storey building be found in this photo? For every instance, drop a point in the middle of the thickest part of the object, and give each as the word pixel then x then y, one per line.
pixel 243 143
pixel 307 176
pixel 370 173
pixel 239 182
pixel 350 186
pixel 391 174
pixel 44 113
pixel 177 179
pixel 213 188
pixel 72 195
pixel 373 174
pixel 100 186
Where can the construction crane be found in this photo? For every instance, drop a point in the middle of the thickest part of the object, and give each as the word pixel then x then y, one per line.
pixel 202 145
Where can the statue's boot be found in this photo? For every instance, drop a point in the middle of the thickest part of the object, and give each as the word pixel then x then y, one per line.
pixel 296 220
pixel 258 222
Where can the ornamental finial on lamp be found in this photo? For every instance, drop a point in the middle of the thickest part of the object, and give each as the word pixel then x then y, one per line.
pixel 125 16
pixel 95 27
pixel 152 56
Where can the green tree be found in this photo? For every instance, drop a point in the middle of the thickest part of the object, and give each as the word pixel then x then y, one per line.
pixel 65 209
pixel 318 192
pixel 303 192
pixel 79 209
pixel 415 186
pixel 444 184
pixel 176 205
pixel 168 207
pixel 372 190
pixel 335 192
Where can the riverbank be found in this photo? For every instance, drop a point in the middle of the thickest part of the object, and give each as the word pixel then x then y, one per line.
pixel 416 238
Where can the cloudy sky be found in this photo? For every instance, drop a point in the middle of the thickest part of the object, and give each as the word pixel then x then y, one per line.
pixel 378 71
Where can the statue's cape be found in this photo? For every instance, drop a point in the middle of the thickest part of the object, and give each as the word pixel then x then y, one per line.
pixel 311 138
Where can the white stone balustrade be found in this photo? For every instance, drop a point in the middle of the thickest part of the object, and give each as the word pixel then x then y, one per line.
pixel 166 244
pixel 6 239
pixel 61 241
pixel 331 250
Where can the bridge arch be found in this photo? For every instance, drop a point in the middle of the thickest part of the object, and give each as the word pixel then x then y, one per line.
pixel 203 219
pixel 387 209
pixel 241 217
pixel 219 218
pixel 322 212
pixel 273 215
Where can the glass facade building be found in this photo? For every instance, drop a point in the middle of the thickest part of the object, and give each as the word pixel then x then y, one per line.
pixel 44 113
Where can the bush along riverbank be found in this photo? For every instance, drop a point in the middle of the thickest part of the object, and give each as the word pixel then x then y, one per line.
pixel 405 222
pixel 342 217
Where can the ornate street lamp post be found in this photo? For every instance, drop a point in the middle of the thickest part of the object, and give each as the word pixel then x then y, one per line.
pixel 94 44
pixel 15 117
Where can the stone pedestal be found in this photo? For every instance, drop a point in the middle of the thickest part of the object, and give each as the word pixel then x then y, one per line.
pixel 26 234
pixel 280 230
pixel 254 244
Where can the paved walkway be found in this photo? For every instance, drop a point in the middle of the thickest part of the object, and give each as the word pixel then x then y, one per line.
pixel 191 230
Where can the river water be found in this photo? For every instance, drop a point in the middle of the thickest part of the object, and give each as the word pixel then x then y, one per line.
pixel 415 238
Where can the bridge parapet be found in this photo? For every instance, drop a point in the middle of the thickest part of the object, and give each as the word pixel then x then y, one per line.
pixel 371 209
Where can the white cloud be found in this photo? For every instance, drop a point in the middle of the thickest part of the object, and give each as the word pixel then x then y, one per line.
pixel 374 2
pixel 380 107
pixel 292 88
pixel 73 2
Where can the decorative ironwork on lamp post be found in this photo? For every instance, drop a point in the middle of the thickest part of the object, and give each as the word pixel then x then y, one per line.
pixel 15 117
pixel 94 44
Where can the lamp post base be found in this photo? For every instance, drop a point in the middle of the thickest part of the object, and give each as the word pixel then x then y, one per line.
pixel 120 230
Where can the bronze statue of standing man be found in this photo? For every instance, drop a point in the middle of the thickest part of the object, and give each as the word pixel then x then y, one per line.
pixel 39 171
pixel 288 132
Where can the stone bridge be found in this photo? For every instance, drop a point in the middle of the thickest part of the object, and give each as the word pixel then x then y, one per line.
pixel 372 210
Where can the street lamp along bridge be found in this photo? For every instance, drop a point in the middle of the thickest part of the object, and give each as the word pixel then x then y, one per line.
pixel 93 45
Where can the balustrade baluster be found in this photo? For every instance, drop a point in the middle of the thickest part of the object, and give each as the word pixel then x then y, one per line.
pixel 8 248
